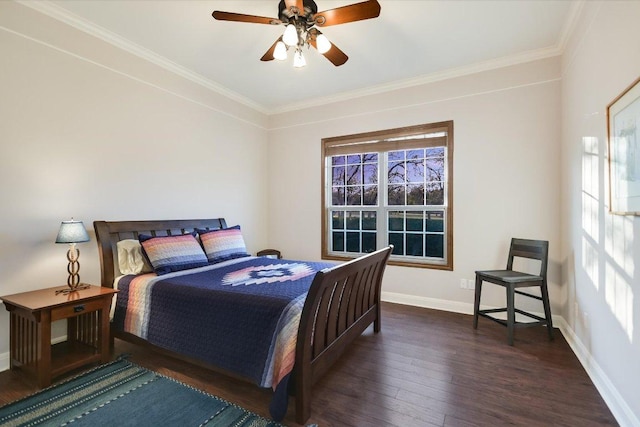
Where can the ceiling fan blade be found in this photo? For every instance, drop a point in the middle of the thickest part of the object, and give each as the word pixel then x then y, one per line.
pixel 341 15
pixel 239 17
pixel 268 56
pixel 335 55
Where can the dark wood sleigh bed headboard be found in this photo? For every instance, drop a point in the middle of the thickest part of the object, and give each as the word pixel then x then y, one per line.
pixel 109 233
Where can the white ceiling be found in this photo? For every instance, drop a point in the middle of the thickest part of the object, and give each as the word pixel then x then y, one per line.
pixel 412 41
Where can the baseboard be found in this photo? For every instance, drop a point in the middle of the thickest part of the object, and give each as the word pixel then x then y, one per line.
pixel 4 361
pixel 446 305
pixel 617 405
pixel 4 357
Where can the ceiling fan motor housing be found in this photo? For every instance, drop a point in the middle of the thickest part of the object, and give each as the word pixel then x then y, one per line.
pixel 285 14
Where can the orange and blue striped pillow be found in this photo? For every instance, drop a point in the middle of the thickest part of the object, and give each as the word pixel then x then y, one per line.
pixel 221 245
pixel 173 253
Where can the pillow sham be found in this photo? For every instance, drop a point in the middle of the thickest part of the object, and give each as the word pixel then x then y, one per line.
pixel 130 258
pixel 223 244
pixel 173 253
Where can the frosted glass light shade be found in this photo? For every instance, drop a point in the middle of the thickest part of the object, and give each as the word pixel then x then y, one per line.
pixel 280 52
pixel 298 60
pixel 290 36
pixel 323 44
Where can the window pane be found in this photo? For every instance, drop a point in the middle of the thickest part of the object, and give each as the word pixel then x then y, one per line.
pixel 338 241
pixel 396 195
pixel 353 159
pixel 396 155
pixel 435 152
pixel 435 245
pixel 370 174
pixel 435 169
pixel 338 160
pixel 415 194
pixel 396 173
pixel 353 220
pixel 354 196
pixel 353 242
pixel 415 171
pixel 354 174
pixel 415 244
pixel 435 221
pixel 370 195
pixel 435 194
pixel 370 158
pixel 337 220
pixel 397 240
pixel 369 220
pixel 415 221
pixel 415 154
pixel 337 196
pixel 396 221
pixel 337 175
pixel 368 242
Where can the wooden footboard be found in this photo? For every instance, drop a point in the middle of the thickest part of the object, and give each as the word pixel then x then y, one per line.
pixel 342 302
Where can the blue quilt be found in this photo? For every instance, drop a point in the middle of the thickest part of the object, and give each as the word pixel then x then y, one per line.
pixel 240 315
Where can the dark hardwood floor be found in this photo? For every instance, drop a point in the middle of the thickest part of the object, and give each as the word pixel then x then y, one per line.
pixel 426 368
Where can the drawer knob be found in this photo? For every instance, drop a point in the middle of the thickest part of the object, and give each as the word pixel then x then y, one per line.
pixel 78 308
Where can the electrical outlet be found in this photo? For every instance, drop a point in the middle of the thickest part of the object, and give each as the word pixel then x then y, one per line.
pixel 463 284
pixel 471 284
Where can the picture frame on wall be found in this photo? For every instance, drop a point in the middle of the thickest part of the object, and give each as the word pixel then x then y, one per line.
pixel 623 145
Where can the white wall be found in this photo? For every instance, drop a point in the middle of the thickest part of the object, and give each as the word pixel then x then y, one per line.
pixel 90 131
pixel 601 252
pixel 506 170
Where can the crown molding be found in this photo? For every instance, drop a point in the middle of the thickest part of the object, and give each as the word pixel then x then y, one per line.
pixel 570 24
pixel 56 12
pixel 506 61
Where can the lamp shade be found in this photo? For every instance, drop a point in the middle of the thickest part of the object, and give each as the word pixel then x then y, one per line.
pixel 72 232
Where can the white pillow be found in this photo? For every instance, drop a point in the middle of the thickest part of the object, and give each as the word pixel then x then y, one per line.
pixel 130 258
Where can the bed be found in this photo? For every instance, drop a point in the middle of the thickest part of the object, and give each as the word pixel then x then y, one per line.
pixel 317 310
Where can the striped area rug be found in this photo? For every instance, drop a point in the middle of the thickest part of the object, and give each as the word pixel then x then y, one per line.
pixel 121 393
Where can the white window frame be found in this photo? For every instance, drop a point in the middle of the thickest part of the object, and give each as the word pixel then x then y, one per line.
pixel 435 134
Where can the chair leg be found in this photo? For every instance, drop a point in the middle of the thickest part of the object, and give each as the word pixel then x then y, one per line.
pixel 476 304
pixel 511 313
pixel 547 309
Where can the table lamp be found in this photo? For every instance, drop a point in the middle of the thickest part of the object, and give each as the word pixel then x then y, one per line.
pixel 72 232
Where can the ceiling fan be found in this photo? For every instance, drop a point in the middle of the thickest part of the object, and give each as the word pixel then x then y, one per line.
pixel 301 19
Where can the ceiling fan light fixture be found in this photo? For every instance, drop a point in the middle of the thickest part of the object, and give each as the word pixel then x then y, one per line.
pixel 323 44
pixel 298 60
pixel 290 36
pixel 280 52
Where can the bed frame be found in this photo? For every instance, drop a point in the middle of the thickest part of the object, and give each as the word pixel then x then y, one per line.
pixel 341 303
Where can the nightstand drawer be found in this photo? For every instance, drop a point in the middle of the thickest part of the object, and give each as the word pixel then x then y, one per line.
pixel 71 310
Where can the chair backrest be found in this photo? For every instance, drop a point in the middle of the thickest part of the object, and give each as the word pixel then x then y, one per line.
pixel 533 249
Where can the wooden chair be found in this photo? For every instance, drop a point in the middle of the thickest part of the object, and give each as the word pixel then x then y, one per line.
pixel 270 253
pixel 511 280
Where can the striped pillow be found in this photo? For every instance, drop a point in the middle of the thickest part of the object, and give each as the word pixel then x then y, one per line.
pixel 173 253
pixel 221 245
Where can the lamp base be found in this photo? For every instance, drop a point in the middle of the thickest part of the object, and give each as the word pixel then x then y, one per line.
pixel 69 290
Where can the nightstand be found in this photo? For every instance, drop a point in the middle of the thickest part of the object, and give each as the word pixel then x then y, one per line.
pixel 31 313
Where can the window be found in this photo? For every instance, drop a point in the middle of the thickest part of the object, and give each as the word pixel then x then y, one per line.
pixel 390 187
